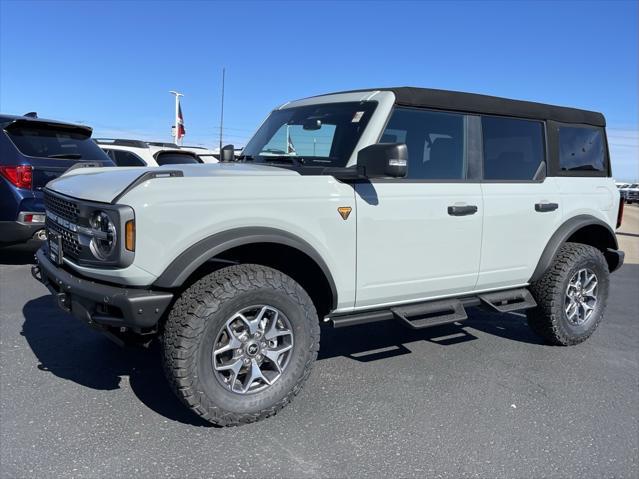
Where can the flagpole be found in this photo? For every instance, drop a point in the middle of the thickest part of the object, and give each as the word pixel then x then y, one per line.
pixel 222 111
pixel 177 107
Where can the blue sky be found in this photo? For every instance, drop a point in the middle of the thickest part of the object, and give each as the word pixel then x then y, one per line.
pixel 111 64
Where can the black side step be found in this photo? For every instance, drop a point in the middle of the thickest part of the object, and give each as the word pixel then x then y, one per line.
pixel 512 300
pixel 434 313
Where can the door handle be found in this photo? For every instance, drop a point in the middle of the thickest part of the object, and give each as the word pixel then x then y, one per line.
pixel 542 207
pixel 462 210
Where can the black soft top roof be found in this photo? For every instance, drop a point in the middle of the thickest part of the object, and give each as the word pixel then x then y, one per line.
pixel 474 103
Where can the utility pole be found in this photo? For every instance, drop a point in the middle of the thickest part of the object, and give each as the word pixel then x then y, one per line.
pixel 177 106
pixel 222 111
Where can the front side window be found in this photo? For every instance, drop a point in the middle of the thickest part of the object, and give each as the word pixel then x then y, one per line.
pixel 314 135
pixel 435 143
pixel 581 149
pixel 513 148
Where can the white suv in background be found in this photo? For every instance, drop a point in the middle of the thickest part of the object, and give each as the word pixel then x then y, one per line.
pixel 140 153
pixel 204 154
pixel 403 204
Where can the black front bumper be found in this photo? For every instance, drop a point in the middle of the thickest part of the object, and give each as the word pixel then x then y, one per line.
pixel 98 303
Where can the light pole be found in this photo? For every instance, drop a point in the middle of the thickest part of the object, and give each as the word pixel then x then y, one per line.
pixel 222 111
pixel 177 106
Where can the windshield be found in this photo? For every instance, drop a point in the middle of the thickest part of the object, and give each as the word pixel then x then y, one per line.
pixel 55 142
pixel 314 135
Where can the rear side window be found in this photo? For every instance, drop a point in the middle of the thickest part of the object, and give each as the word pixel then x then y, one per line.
pixel 581 149
pixel 175 158
pixel 126 158
pixel 49 141
pixel 435 142
pixel 513 148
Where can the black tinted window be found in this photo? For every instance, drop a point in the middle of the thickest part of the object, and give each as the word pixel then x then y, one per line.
pixel 174 158
pixel 435 142
pixel 49 141
pixel 126 158
pixel 513 149
pixel 581 149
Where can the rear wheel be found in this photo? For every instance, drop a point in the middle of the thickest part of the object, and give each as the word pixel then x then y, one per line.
pixel 571 296
pixel 239 344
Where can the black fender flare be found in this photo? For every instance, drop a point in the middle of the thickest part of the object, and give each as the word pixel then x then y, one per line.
pixel 565 231
pixel 199 253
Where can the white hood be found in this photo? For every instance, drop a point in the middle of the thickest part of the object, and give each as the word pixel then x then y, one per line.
pixel 105 184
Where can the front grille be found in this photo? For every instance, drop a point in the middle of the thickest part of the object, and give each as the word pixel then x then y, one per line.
pixel 70 244
pixel 66 209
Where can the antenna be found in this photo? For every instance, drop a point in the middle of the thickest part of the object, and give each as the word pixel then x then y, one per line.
pixel 222 110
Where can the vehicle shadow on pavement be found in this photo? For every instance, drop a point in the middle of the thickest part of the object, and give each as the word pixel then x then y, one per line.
pixel 19 254
pixel 73 351
pixel 386 339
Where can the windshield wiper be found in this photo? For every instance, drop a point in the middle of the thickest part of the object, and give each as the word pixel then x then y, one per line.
pixel 295 160
pixel 246 158
pixel 70 156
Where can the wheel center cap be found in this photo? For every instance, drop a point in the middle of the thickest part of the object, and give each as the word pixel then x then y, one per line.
pixel 252 349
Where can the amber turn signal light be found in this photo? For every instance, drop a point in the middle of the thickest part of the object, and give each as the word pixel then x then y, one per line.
pixel 129 236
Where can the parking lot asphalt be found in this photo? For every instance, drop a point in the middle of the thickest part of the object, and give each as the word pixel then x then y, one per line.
pixel 482 399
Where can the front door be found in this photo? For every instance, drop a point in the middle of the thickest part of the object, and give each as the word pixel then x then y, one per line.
pixel 419 237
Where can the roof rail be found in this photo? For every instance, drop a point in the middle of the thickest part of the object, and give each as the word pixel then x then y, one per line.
pixel 120 142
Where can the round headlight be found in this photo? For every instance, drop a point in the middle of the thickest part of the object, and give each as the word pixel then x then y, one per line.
pixel 104 237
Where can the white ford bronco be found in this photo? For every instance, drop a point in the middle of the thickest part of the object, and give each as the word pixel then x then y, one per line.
pixel 403 204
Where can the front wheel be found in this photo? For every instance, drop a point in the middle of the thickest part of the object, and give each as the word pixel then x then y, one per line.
pixel 239 344
pixel 571 296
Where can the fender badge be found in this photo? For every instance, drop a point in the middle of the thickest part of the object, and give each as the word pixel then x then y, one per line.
pixel 344 211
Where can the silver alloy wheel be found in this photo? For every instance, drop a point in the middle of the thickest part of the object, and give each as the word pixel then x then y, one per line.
pixel 581 296
pixel 253 349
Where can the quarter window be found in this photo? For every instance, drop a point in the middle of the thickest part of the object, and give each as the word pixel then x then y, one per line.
pixel 581 149
pixel 513 148
pixel 126 158
pixel 435 142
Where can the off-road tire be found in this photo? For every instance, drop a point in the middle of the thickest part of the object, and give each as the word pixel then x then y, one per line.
pixel 549 319
pixel 194 322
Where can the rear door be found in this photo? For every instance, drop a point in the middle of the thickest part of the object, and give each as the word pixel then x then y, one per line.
pixel 419 237
pixel 522 208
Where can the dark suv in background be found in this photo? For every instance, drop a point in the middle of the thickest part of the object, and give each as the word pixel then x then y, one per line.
pixel 34 151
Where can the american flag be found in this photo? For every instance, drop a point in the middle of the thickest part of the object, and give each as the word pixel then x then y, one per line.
pixel 181 131
pixel 290 148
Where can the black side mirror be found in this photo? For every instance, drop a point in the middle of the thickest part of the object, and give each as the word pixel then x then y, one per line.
pixel 383 159
pixel 227 153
